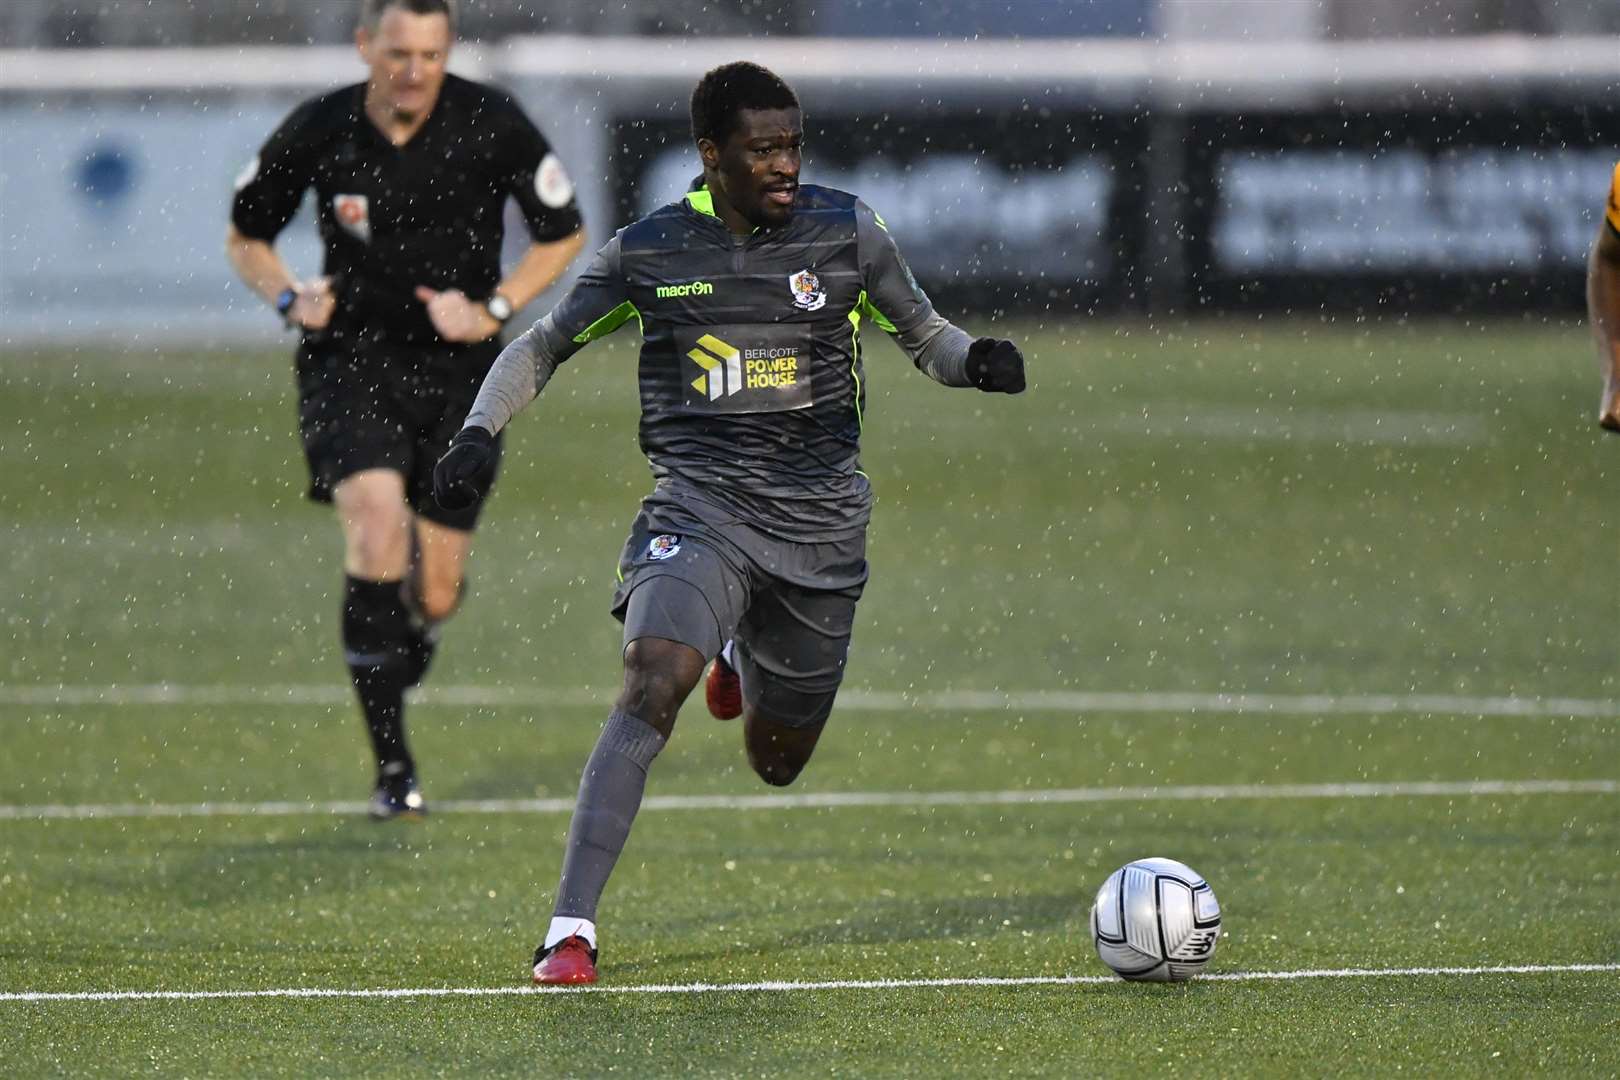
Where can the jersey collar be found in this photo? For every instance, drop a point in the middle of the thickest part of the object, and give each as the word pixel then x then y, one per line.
pixel 701 199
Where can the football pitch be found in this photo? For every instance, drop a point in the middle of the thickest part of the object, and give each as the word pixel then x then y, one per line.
pixel 1326 611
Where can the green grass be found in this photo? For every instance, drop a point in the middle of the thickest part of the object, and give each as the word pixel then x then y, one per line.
pixel 1289 508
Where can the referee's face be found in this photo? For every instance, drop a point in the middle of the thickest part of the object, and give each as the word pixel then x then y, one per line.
pixel 758 165
pixel 407 54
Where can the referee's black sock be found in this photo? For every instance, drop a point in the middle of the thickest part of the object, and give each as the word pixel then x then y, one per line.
pixel 376 628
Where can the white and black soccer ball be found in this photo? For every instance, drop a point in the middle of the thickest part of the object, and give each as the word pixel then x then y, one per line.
pixel 1155 920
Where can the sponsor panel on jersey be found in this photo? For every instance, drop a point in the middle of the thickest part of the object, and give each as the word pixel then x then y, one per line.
pixel 761 367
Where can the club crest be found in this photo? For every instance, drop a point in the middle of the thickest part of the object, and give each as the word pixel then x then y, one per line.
pixel 353 213
pixel 663 546
pixel 808 294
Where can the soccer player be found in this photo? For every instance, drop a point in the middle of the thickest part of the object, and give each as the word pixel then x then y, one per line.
pixel 1603 304
pixel 411 170
pixel 750 552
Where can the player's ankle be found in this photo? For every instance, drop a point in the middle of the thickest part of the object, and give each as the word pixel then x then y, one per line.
pixel 567 926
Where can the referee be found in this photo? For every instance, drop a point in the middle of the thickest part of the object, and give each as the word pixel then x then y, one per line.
pixel 411 171
pixel 750 553
pixel 1603 304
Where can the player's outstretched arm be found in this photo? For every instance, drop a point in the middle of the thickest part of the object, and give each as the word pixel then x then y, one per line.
pixel 1603 311
pixel 596 305
pixel 945 353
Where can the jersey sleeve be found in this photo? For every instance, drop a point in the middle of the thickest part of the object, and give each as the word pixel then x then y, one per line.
pixel 1612 209
pixel 597 304
pixel 894 300
pixel 271 186
pixel 537 179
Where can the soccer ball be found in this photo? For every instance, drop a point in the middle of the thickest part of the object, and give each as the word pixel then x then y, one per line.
pixel 1155 920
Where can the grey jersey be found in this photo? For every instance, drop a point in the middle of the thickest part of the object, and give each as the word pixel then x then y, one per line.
pixel 750 371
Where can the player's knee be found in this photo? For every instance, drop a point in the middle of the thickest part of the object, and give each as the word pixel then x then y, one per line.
pixel 658 676
pixel 776 753
pixel 774 770
pixel 376 551
pixel 438 599
pixel 376 536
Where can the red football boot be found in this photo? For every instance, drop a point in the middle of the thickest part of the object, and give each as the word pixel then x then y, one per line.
pixel 723 691
pixel 569 962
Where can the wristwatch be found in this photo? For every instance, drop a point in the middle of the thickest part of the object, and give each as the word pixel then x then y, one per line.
pixel 284 302
pixel 499 308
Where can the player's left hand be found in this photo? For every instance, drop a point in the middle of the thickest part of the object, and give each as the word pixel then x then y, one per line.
pixel 996 366
pixel 456 318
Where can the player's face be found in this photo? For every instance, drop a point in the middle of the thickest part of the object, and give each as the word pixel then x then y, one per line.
pixel 407 56
pixel 758 165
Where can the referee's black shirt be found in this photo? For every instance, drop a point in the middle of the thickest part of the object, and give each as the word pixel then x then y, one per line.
pixel 426 213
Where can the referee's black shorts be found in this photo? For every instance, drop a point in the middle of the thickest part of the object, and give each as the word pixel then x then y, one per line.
pixel 370 404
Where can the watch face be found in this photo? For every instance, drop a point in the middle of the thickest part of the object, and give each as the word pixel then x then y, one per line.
pixel 499 307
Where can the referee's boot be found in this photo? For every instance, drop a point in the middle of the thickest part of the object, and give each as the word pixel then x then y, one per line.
pixel 722 690
pixel 570 962
pixel 397 796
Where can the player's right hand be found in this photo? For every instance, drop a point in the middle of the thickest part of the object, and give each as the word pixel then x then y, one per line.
pixel 996 366
pixel 463 474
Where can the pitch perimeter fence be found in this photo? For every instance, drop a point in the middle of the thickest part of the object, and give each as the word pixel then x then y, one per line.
pixel 1049 177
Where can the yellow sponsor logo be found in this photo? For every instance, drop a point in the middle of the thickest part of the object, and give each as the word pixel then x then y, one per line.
pixel 722 368
pixel 770 368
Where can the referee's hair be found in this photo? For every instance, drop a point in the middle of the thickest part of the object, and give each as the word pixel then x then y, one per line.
pixel 730 88
pixel 371 11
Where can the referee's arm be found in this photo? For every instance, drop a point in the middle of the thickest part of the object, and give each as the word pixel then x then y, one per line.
pixel 301 303
pixel 542 264
pixel 1603 306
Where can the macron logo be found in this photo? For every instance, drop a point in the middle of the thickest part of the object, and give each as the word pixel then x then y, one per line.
pixel 691 288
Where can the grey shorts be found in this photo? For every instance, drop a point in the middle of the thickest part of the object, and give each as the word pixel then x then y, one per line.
pixel 691 575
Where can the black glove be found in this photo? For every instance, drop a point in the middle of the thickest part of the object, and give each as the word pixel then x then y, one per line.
pixel 463 475
pixel 996 366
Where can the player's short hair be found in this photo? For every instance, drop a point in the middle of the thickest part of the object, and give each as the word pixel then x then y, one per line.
pixel 729 89
pixel 371 11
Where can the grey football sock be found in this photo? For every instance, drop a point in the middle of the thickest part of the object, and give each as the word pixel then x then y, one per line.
pixel 609 796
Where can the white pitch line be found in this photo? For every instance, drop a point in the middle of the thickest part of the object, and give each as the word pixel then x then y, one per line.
pixel 783 986
pixel 847 799
pixel 1066 701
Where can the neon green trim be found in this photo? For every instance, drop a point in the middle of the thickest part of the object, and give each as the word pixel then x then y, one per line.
pixel 618 572
pixel 608 323
pixel 702 201
pixel 855 356
pixel 864 306
pixel 877 217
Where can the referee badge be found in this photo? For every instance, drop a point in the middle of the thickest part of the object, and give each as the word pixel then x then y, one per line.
pixel 663 546
pixel 808 295
pixel 353 213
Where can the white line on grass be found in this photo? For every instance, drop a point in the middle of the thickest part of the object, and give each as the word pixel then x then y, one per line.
pixel 1342 427
pixel 857 700
pixel 845 799
pixel 780 986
